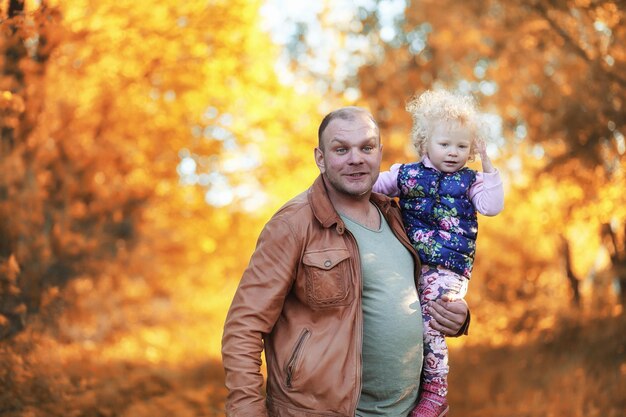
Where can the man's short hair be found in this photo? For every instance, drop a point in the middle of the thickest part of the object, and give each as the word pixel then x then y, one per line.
pixel 344 113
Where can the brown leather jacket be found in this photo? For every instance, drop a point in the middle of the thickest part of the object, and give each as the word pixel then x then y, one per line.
pixel 300 300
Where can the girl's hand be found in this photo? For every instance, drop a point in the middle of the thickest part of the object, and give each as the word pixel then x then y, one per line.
pixel 481 148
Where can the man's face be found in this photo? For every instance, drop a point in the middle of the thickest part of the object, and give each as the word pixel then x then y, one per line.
pixel 351 156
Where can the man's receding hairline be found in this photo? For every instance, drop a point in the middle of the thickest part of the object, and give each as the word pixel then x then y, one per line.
pixel 348 113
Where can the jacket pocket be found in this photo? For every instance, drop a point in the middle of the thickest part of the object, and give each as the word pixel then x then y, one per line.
pixel 295 358
pixel 327 277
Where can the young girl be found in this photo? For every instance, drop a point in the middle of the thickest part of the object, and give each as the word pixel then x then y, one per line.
pixel 439 197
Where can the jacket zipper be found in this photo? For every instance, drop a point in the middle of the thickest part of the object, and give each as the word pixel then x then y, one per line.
pixel 291 365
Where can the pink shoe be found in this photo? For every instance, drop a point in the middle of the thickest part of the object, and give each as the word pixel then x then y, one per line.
pixel 431 407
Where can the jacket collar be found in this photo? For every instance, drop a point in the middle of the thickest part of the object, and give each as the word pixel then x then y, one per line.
pixel 325 212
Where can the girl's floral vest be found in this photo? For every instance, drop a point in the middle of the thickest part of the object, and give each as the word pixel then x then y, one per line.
pixel 439 216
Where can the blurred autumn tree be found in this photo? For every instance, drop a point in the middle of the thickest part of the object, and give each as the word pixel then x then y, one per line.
pixel 144 144
pixel 45 227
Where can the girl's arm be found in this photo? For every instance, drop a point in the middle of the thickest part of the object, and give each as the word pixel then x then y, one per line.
pixel 387 182
pixel 487 192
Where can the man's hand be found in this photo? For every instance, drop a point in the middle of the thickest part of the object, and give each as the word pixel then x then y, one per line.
pixel 448 315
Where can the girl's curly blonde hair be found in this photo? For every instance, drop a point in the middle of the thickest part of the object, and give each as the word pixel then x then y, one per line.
pixel 435 106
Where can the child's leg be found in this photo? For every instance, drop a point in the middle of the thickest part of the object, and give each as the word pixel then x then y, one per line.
pixel 434 374
pixel 433 284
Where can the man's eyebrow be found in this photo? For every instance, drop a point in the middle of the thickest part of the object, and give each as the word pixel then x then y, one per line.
pixel 342 141
pixel 336 140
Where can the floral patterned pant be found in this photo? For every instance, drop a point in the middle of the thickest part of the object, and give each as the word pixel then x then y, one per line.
pixel 434 282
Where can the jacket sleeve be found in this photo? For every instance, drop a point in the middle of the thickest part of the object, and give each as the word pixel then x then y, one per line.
pixel 255 308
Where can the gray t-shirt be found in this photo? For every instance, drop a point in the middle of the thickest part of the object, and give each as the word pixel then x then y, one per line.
pixel 392 324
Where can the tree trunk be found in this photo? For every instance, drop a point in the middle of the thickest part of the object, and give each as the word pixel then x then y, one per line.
pixel 22 84
pixel 571 277
pixel 618 259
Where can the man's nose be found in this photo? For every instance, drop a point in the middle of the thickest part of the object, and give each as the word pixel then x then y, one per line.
pixel 355 157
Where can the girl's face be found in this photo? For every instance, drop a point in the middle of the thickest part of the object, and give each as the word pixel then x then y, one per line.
pixel 449 146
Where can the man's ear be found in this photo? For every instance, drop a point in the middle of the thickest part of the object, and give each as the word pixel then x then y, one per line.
pixel 319 160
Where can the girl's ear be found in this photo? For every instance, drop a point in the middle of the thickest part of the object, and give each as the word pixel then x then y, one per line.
pixel 420 148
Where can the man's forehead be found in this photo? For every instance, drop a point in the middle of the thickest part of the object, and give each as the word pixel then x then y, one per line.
pixel 353 130
pixel 360 126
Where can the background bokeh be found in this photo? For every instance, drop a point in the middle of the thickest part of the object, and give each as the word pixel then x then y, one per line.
pixel 144 144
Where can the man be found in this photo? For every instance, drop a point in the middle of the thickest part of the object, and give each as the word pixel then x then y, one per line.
pixel 330 294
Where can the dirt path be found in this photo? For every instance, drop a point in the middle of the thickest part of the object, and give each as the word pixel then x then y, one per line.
pixel 577 371
pixel 122 389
